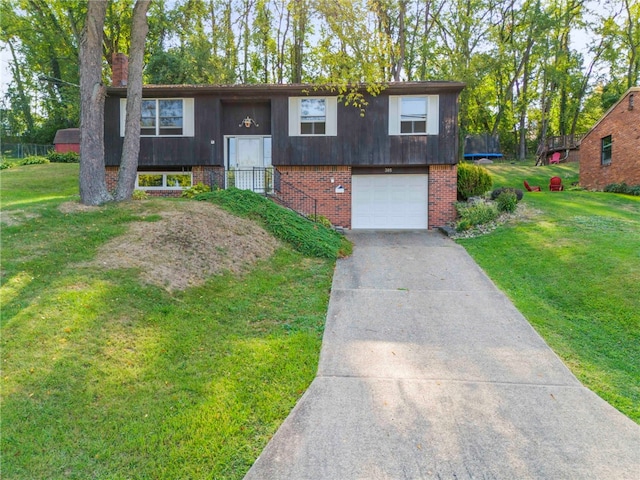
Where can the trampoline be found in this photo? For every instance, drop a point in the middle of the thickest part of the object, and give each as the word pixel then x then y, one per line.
pixel 482 145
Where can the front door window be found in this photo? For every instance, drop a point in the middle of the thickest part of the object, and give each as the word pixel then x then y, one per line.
pixel 248 160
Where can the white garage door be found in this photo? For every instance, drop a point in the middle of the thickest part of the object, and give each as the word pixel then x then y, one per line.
pixel 389 201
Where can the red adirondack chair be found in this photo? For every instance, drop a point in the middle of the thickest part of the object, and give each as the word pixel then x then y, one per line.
pixel 555 158
pixel 555 184
pixel 531 188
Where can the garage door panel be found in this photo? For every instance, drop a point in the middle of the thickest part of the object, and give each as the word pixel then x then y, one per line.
pixel 389 201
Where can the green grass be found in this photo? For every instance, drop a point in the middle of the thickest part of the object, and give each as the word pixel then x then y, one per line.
pixel 37 184
pixel 104 377
pixel 573 271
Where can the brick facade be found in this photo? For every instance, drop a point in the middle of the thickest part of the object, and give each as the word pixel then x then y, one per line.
pixel 316 182
pixel 622 122
pixel 443 182
pixel 320 183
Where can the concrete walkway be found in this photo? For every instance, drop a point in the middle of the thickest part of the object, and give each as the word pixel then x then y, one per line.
pixel 428 371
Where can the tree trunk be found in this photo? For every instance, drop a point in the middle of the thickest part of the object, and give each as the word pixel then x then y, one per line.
pixel 93 187
pixel 131 146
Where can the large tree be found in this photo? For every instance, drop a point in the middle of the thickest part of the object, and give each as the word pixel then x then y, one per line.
pixel 93 188
pixel 131 147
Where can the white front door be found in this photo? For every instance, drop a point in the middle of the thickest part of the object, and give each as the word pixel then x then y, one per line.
pixel 247 161
pixel 389 201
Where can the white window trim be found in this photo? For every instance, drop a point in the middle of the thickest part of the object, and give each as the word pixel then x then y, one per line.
pixel 433 114
pixel 164 180
pixel 188 124
pixel 331 117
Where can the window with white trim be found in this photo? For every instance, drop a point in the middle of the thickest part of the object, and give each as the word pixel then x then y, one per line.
pixel 313 116
pixel 164 180
pixel 414 114
pixel 163 117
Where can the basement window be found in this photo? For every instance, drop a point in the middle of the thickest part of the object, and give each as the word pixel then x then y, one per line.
pixel 606 149
pixel 163 180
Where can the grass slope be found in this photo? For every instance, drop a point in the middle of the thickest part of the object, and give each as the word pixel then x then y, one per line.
pixel 105 377
pixel 573 271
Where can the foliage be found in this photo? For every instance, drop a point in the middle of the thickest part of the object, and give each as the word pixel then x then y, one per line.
pixel 322 220
pixel 305 236
pixel 66 157
pixel 139 195
pixel 507 201
pixel 197 189
pixel 623 188
pixel 473 180
pixel 526 75
pixel 590 319
pixel 475 213
pixel 496 192
pixel 34 160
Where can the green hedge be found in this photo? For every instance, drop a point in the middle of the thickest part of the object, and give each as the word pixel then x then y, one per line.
pixel 473 181
pixel 67 157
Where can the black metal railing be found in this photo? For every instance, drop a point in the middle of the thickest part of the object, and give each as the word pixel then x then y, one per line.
pixel 257 179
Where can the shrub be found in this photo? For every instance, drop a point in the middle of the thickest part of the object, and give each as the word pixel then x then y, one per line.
pixel 66 157
pixel 475 214
pixel 623 188
pixel 321 219
pixel 4 165
pixel 473 180
pixel 616 188
pixel 34 160
pixel 507 201
pixel 496 193
pixel 635 190
pixel 197 189
pixel 139 195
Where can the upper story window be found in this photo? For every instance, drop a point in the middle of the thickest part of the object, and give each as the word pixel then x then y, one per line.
pixel 313 116
pixel 162 117
pixel 413 114
pixel 606 148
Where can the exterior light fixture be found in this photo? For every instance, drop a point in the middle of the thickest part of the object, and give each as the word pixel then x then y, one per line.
pixel 248 121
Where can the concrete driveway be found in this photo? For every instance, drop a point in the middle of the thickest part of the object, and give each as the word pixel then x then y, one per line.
pixel 428 371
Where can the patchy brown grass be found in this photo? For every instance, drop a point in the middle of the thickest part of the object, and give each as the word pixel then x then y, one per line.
pixel 187 243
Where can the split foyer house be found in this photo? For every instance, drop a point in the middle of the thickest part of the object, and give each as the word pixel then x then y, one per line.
pixel 393 168
pixel 610 151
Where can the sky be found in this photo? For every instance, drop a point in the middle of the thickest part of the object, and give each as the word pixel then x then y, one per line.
pixel 580 42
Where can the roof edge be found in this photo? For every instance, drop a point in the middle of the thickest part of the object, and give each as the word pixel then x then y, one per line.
pixel 613 107
pixel 294 88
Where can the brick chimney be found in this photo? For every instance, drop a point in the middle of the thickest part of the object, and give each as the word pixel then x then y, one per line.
pixel 119 70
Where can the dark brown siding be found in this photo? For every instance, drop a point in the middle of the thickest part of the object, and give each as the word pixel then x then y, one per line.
pixel 234 113
pixel 363 141
pixel 170 151
pixel 360 142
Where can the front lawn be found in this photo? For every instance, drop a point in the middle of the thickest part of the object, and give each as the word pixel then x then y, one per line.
pixel 573 270
pixel 107 376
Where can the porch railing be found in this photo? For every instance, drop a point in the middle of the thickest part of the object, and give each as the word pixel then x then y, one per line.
pixel 258 179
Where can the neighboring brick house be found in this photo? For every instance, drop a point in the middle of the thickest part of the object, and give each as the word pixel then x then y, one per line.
pixel 610 152
pixel 393 168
